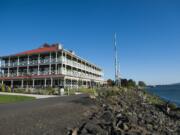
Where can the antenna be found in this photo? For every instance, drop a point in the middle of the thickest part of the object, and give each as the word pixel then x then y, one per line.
pixel 119 75
pixel 116 64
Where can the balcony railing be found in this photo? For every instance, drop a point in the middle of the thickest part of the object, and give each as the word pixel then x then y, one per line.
pixel 46 72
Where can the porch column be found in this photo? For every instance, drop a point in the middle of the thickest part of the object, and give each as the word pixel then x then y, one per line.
pixel 18 66
pixel 11 83
pixel 50 63
pixel 61 69
pixel 8 67
pixel 72 65
pixel 28 65
pixel 64 82
pixel 2 82
pixel 33 83
pixel 56 63
pixel 22 83
pixel 27 85
pixel 77 83
pixel 45 82
pixel 51 82
pixel 90 84
pixel 65 63
pixel 38 64
pixel 71 84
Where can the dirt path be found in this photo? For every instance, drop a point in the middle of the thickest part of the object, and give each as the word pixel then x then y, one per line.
pixel 50 116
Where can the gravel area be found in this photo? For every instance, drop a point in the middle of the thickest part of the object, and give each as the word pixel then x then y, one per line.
pixel 51 116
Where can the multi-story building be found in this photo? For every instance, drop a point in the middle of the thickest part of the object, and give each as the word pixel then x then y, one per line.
pixel 48 66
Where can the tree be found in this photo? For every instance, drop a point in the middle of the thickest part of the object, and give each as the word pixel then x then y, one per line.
pixel 131 83
pixel 110 82
pixel 141 84
pixel 124 82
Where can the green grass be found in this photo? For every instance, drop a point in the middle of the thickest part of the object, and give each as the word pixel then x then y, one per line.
pixel 87 91
pixel 12 99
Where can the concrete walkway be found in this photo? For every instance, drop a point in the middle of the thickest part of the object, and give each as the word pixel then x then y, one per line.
pixel 29 95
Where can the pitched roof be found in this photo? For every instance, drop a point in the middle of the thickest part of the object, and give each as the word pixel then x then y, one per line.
pixel 43 49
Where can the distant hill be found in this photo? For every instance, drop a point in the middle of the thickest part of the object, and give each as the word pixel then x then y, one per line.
pixel 176 84
pixel 169 85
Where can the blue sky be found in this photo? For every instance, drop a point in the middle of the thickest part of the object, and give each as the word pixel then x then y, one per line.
pixel 148 33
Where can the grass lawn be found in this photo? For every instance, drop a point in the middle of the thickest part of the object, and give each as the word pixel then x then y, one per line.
pixel 13 98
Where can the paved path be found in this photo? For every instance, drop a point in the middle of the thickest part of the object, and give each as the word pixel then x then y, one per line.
pixel 51 116
pixel 29 95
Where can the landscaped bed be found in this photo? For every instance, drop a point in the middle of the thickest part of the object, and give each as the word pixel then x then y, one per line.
pixel 12 98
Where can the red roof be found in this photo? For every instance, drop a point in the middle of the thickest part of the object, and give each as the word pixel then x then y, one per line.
pixel 43 49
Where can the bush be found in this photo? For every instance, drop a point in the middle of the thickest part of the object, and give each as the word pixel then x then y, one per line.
pixel 3 89
pixel 51 91
pixel 141 84
pixel 87 91
pixel 68 91
pixel 19 90
pixel 8 89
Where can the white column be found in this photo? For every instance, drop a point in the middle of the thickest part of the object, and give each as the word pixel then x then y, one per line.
pixel 62 62
pixel 72 64
pixel 2 82
pixel 71 83
pixel 22 83
pixel 28 65
pixel 64 82
pixel 50 63
pixel 27 86
pixel 90 84
pixel 56 63
pixel 8 67
pixel 51 82
pixel 33 83
pixel 38 64
pixel 65 63
pixel 45 82
pixel 77 85
pixel 11 83
pixel 18 66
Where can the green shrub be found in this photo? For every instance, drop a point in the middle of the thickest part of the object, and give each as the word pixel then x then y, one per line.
pixel 3 89
pixel 172 105
pixel 9 89
pixel 151 99
pixel 51 91
pixel 19 90
pixel 87 91
pixel 68 91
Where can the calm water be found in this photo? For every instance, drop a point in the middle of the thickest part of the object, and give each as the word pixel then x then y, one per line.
pixel 168 92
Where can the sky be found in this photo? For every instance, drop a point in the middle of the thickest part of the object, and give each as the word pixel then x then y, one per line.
pixel 148 33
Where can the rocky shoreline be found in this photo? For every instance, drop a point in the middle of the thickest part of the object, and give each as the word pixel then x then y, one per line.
pixel 129 112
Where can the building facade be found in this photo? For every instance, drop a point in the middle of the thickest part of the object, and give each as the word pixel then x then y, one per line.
pixel 48 66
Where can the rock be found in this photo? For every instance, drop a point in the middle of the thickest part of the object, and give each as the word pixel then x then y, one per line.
pixel 93 129
pixel 127 114
pixel 125 127
pixel 150 127
pixel 133 119
pixel 107 117
pixel 119 115
pixel 75 131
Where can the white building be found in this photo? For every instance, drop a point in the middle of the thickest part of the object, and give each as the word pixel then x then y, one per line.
pixel 49 66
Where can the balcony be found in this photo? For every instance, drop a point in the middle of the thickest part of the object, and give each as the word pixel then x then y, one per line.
pixel 23 63
pixel 33 62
